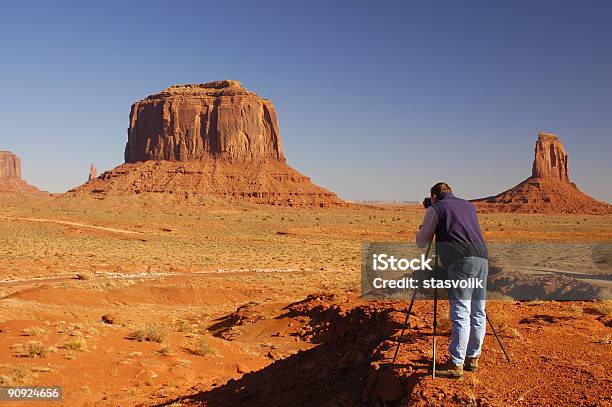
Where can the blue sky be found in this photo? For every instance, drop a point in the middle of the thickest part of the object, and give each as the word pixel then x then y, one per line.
pixel 376 100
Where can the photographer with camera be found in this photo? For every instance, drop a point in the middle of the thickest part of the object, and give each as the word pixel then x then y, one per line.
pixel 463 253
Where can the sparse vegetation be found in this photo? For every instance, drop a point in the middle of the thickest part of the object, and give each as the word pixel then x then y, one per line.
pixel 151 333
pixel 576 309
pixel 18 376
pixel 181 325
pixel 37 349
pixel 165 350
pixel 605 340
pixel 33 331
pixel 324 251
pixel 504 329
pixel 202 347
pixel 76 343
pixel 603 308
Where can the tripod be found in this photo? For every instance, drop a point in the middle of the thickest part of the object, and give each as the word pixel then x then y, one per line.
pixel 435 321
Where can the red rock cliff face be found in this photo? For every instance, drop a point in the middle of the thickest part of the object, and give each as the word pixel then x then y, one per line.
pixel 10 175
pixel 10 165
pixel 189 122
pixel 550 160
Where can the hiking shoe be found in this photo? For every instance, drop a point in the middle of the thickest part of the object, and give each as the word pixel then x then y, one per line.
pixel 449 370
pixel 471 364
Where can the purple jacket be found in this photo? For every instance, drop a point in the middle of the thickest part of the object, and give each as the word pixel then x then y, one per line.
pixel 455 225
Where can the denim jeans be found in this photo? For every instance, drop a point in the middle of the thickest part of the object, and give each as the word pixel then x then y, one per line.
pixel 467 309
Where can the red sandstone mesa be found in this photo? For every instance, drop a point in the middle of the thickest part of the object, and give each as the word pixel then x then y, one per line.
pixel 190 122
pixel 548 190
pixel 10 175
pixel 216 138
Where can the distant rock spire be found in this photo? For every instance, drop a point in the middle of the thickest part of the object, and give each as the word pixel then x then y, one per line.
pixel 10 175
pixel 93 172
pixel 548 190
pixel 550 160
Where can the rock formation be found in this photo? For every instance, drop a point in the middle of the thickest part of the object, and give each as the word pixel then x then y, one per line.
pixel 189 122
pixel 10 175
pixel 548 190
pixel 10 165
pixel 216 138
pixel 550 160
pixel 93 173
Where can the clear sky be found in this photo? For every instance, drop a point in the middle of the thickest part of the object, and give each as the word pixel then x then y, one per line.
pixel 376 100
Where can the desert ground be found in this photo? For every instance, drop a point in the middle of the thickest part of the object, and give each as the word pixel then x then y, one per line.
pixel 132 301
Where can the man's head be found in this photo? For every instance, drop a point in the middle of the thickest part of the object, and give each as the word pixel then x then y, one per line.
pixel 439 189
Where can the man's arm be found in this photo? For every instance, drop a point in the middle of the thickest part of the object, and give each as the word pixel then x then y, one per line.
pixel 426 233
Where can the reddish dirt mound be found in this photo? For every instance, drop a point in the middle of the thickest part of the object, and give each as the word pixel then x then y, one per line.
pixel 264 182
pixel 548 190
pixel 552 349
pixel 332 373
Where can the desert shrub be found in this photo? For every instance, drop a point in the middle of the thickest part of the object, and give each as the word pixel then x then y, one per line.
pixel 605 340
pixel 180 325
pixel 165 350
pixel 504 329
pixel 37 350
pixel 76 343
pixel 151 333
pixel 140 335
pixel 33 331
pixel 18 375
pixel 202 347
pixel 576 309
pixel 603 308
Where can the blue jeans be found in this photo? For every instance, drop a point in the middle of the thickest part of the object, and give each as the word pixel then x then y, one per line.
pixel 467 309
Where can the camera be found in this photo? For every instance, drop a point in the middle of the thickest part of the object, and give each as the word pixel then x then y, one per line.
pixel 427 202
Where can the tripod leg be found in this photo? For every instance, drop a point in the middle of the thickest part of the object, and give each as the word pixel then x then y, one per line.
pixel 414 294
pixel 501 345
pixel 435 327
pixel 435 321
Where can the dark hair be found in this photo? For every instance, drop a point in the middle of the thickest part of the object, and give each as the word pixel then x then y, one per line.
pixel 440 188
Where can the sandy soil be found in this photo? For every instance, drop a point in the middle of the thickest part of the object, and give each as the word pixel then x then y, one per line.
pixel 247 305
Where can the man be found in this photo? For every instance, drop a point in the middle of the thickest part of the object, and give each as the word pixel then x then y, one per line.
pixel 463 253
